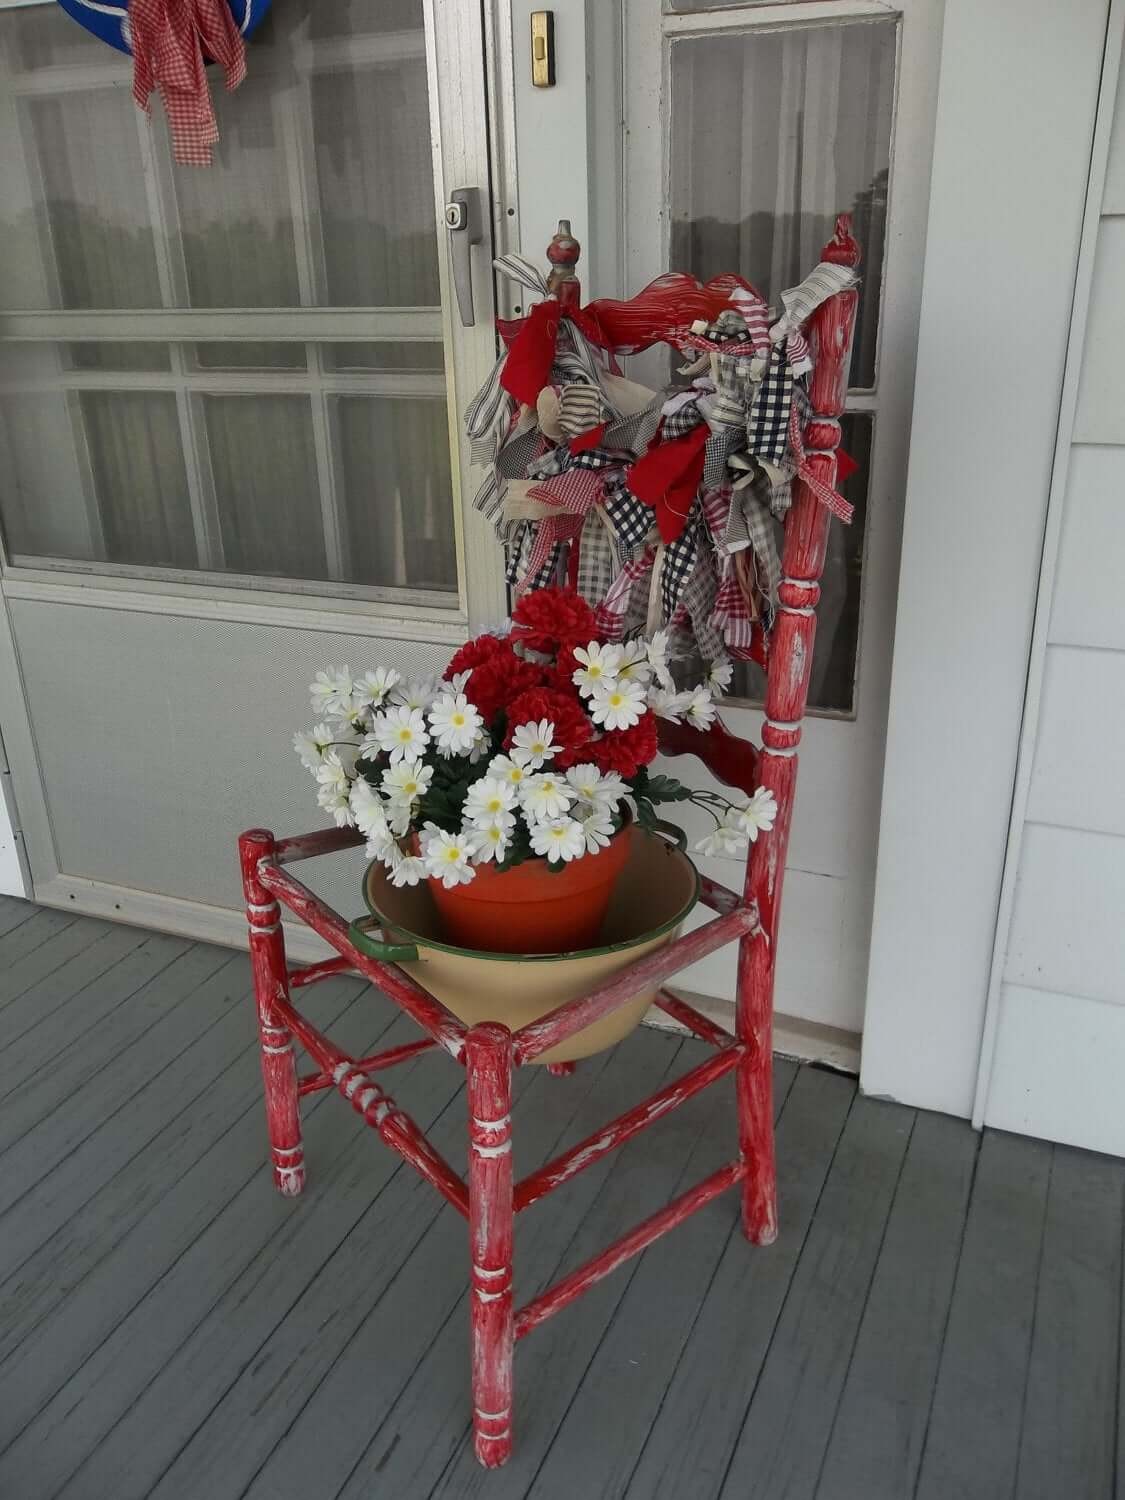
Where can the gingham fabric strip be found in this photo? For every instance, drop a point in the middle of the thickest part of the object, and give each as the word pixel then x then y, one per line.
pixel 768 421
pixel 168 39
pixel 597 560
pixel 823 492
pixel 631 519
pixel 610 615
pixel 679 560
pixel 800 302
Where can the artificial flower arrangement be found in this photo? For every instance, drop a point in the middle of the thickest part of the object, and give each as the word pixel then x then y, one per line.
pixel 534 743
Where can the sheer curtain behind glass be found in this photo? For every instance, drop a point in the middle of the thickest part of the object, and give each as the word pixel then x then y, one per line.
pixel 285 456
pixel 774 132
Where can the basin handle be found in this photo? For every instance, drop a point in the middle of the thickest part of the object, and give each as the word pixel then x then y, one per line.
pixel 672 832
pixel 386 953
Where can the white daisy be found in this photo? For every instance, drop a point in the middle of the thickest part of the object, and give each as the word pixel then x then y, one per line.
pixel 333 800
pixel 700 710
pixel 311 744
pixel 533 744
pixel 600 664
pixel 719 675
pixel 666 705
pixel 370 813
pixel 561 838
pixel 658 659
pixel 756 815
pixel 594 788
pixel 408 869
pixel 331 773
pixel 455 723
pixel 507 770
pixel 488 799
pixel 635 665
pixel 544 797
pixel 447 857
pixel 407 780
pixel 482 746
pixel 331 692
pixel 373 688
pixel 418 694
pixel 490 839
pixel 596 822
pixel 458 680
pixel 401 732
pixel 618 705
pixel 723 840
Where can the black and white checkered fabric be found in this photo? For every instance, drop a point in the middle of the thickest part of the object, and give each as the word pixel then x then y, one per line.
pixel 631 519
pixel 683 420
pixel 677 563
pixel 598 560
pixel 767 427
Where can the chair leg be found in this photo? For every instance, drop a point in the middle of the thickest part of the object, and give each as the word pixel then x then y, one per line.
pixel 271 981
pixel 488 1063
pixel 754 1090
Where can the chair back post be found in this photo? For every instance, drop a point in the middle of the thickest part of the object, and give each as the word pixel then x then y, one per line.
pixel 829 333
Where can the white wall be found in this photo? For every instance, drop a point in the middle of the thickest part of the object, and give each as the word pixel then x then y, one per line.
pixel 1058 1052
pixel 1011 163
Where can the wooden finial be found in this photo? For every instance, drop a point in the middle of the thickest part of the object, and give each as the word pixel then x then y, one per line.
pixel 842 249
pixel 563 253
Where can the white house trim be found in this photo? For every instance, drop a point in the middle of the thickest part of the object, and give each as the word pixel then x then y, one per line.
pixel 1011 164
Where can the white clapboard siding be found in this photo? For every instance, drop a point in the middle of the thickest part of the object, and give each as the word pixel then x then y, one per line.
pixel 1101 409
pixel 1079 775
pixel 1068 926
pixel 1087 608
pixel 1058 1069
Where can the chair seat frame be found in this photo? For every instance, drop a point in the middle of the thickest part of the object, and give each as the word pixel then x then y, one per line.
pixel 489 1198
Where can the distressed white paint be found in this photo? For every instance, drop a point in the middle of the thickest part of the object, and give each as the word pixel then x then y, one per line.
pixel 1003 240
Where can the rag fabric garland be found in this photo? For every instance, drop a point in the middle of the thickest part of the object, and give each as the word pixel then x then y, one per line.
pixel 171 41
pixel 658 507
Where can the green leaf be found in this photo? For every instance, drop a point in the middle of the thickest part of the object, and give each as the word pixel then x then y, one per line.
pixel 667 789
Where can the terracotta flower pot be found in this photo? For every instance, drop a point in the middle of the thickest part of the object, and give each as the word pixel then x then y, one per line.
pixel 648 904
pixel 533 907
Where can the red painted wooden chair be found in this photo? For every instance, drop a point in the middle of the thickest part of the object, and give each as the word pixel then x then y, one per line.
pixel 490 1199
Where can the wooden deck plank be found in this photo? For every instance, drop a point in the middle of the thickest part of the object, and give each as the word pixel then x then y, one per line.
pixel 48 1117
pixel 13 911
pixel 600 1439
pixel 40 946
pixel 400 1453
pixel 972 1446
pixel 881 1422
pixel 346 1349
pixel 1068 1443
pixel 80 1211
pixel 66 1006
pixel 552 1363
pixel 688 1452
pixel 789 1422
pixel 371 1211
pixel 88 1361
pixel 398 1339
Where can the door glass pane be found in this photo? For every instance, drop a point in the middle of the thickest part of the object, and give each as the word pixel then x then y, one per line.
pixel 415 356
pixel 263 463
pixel 137 463
pixel 832 684
pixel 772 134
pixel 398 492
pixel 227 356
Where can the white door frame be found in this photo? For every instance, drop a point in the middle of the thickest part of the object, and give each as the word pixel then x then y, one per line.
pixel 1016 108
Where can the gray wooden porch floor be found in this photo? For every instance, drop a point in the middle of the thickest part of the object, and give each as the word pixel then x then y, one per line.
pixel 940 1318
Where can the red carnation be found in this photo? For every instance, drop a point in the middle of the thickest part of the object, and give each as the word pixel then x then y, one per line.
pixel 547 618
pixel 499 679
pixel 573 730
pixel 475 653
pixel 625 750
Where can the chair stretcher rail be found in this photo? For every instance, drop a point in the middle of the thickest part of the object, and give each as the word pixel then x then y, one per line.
pixel 417 1002
pixel 376 1108
pixel 554 1173
pixel 304 974
pixel 565 1020
pixel 312 1083
pixel 688 1016
pixel 565 1291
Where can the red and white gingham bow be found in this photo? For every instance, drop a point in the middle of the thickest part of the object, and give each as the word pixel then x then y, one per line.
pixel 824 492
pixel 169 38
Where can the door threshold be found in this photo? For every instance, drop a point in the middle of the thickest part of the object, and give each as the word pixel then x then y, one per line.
pixel 804 1041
